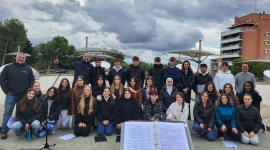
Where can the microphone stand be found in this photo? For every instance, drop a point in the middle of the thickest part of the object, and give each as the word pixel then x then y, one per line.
pixel 47 145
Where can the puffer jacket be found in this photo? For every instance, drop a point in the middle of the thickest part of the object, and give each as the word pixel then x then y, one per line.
pixel 55 109
pixel 157 73
pixel 98 70
pixel 167 99
pixel 105 111
pixel 186 81
pixel 248 119
pixel 65 99
pixel 137 72
pixel 76 93
pixel 204 115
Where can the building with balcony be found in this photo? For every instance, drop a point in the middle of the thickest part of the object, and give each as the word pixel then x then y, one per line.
pixel 248 38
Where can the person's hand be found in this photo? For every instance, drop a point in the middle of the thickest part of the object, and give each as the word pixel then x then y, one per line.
pixel 26 127
pixel 209 129
pixel 69 116
pixel 199 93
pixel 8 93
pixel 201 125
pixel 246 134
pixel 223 128
pixel 83 125
pixel 185 91
pixel 56 61
pixel 234 130
pixel 105 122
pixel 157 119
pixel 118 125
pixel 152 119
pixel 106 72
pixel 73 115
pixel 80 125
pixel 251 134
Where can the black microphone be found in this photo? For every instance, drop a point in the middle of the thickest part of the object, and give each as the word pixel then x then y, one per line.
pixel 61 71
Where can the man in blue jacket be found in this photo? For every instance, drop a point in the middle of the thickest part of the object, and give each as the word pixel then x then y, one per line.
pixel 82 68
pixel 172 72
pixel 15 79
pixel 116 70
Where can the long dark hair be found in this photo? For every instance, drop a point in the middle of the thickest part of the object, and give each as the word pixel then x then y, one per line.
pixel 149 78
pixel 228 99
pixel 214 92
pixel 123 95
pixel 81 77
pixel 208 100
pixel 183 97
pixel 54 97
pixel 100 77
pixel 252 88
pixel 112 101
pixel 137 87
pixel 34 101
pixel 231 94
pixel 189 67
pixel 67 88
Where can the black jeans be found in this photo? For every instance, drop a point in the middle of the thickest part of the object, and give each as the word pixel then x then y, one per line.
pixel 82 131
pixel 228 132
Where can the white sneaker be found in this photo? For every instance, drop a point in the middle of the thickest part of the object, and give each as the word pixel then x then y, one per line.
pixel 221 138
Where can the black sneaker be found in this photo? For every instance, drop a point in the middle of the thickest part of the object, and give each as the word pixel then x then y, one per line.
pixel 3 135
pixel 263 128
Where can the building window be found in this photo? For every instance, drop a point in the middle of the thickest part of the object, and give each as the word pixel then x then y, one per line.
pixel 267 34
pixel 266 51
pixel 266 42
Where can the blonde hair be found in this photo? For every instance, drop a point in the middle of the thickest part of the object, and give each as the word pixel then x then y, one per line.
pixel 81 104
pixel 121 87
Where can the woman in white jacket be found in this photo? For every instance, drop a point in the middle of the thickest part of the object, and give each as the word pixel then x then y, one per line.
pixel 178 111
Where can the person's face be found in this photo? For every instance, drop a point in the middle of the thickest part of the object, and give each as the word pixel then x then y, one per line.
pixel 157 63
pixel 149 82
pixel 36 87
pixel 20 58
pixel 245 68
pixel 106 92
pixel 100 81
pixel 153 97
pixel 204 98
pixel 87 91
pixel 98 63
pixel 247 86
pixel 132 82
pixel 224 99
pixel 135 62
pixel 203 69
pixel 172 63
pixel 210 87
pixel 116 81
pixel 51 93
pixel 227 89
pixel 186 65
pixel 30 95
pixel 80 82
pixel 179 99
pixel 64 83
pixel 117 64
pixel 169 83
pixel 127 94
pixel 224 68
pixel 86 57
pixel 247 100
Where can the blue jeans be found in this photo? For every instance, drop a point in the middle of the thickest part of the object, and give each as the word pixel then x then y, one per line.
pixel 210 136
pixel 105 129
pixel 10 102
pixel 19 129
pixel 197 98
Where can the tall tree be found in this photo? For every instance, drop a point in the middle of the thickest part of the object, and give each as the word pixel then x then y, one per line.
pixel 12 34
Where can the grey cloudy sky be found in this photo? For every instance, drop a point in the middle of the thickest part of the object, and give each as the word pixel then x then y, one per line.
pixel 145 28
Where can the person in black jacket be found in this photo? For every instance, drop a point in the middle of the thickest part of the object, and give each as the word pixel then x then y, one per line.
pixel 64 95
pixel 204 117
pixel 85 113
pixel 152 108
pixel 248 121
pixel 36 86
pixel 15 79
pixel 27 114
pixel 99 87
pixel 186 82
pixel 97 71
pixel 157 73
pixel 51 111
pixel 135 70
pixel 212 93
pixel 117 87
pixel 117 70
pixel 149 84
pixel 82 68
pixel 167 96
pixel 127 108
pixel 200 80
pixel 105 112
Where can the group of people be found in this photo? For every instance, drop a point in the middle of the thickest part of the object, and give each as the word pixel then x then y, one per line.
pixel 163 96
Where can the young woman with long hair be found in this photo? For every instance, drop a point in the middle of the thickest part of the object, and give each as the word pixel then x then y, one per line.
pixel 228 90
pixel 149 84
pixel 64 95
pixel 212 92
pixel 105 112
pixel 99 87
pixel 152 108
pixel 136 92
pixel 117 87
pixel 178 111
pixel 27 114
pixel 85 113
pixel 36 86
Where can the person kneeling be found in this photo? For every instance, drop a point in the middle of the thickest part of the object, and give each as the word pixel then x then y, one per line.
pixel 152 109
pixel 27 114
pixel 248 121
pixel 85 114
pixel 105 112
pixel 204 117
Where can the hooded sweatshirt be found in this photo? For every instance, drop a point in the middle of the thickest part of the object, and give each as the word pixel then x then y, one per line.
pixel 177 113
pixel 222 78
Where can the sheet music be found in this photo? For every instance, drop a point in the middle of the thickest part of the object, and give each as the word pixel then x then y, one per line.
pixel 200 87
pixel 139 136
pixel 172 136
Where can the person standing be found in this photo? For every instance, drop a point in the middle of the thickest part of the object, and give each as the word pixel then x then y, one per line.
pixel 200 80
pixel 82 68
pixel 117 70
pixel 157 73
pixel 97 71
pixel 15 79
pixel 223 76
pixel 243 77
pixel 135 70
pixel 172 72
